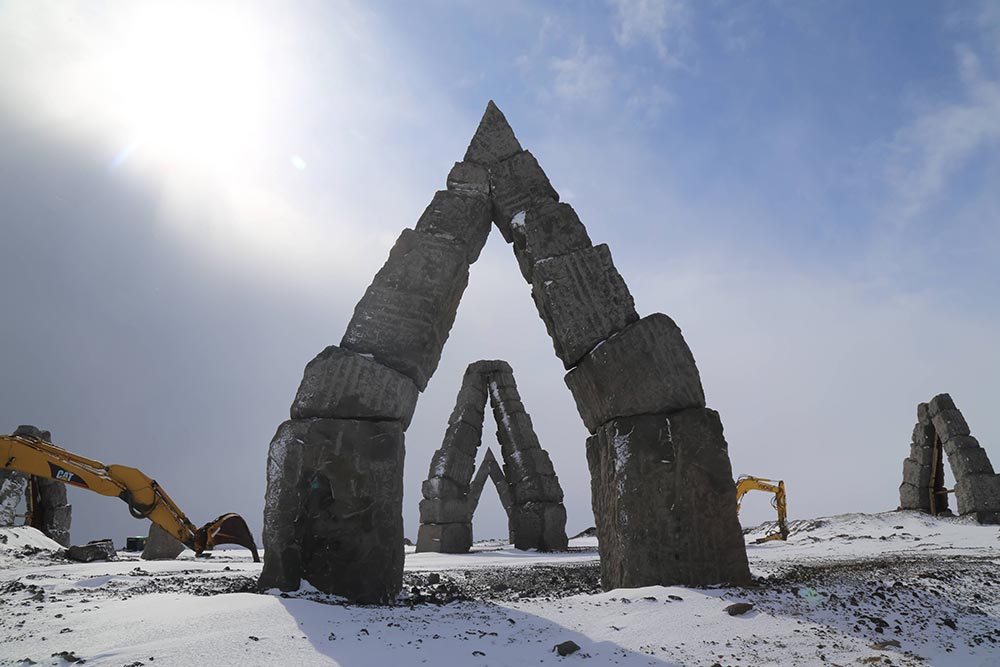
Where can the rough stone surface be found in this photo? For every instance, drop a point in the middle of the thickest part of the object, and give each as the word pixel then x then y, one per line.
pixel 340 384
pixel 645 369
pixel 12 487
pixel 461 216
pixel 444 510
pixel 540 526
pixel 333 509
pixel 665 501
pixel 406 314
pixel 51 513
pixel 517 181
pixel 526 483
pixel 161 545
pixel 442 487
pixel 494 140
pixel 55 513
pixel 448 538
pixel 91 551
pixel 942 432
pixel 469 177
pixel 582 299
pixel 548 229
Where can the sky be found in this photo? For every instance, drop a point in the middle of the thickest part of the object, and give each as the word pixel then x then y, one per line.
pixel 194 196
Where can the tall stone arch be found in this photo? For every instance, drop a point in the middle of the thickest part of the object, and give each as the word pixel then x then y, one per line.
pixel 661 481
pixel 527 483
pixel 941 431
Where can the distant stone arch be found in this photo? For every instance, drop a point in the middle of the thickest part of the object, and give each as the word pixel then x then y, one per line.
pixel 942 431
pixel 527 484
pixel 662 485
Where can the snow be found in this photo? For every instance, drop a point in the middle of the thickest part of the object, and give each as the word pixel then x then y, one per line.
pixel 834 594
pixel 518 219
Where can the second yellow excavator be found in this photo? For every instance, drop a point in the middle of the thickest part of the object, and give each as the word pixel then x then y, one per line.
pixel 747 483
pixel 145 498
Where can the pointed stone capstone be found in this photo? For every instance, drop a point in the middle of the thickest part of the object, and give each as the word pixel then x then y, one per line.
pixel 527 484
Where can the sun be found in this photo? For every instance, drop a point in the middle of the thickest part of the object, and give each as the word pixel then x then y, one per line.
pixel 187 83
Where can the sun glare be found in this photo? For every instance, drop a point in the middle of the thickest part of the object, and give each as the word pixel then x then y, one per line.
pixel 187 83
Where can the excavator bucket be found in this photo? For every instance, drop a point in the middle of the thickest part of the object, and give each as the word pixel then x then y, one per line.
pixel 227 529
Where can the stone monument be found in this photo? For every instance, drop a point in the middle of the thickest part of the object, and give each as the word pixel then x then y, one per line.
pixel 527 484
pixel 941 431
pixel 661 481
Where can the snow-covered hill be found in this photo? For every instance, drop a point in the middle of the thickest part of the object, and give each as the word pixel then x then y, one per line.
pixel 897 588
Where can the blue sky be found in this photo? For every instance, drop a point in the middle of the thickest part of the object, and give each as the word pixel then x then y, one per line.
pixel 195 195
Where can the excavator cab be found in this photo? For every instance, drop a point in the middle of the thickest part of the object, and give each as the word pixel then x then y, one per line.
pixel 747 483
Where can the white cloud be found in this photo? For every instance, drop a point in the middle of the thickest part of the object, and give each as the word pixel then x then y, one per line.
pixel 584 76
pixel 664 25
pixel 927 154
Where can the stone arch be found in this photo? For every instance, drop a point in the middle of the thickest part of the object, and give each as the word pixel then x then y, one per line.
pixel 941 431
pixel 661 481
pixel 536 515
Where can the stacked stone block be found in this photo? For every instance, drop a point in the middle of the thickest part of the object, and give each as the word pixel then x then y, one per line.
pixel 51 513
pixel 662 486
pixel 333 509
pixel 527 483
pixel 941 431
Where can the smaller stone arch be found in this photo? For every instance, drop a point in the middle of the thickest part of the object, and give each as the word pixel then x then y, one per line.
pixel 941 431
pixel 527 484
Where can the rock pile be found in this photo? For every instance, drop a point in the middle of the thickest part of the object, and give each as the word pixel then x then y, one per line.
pixel 661 480
pixel 941 431
pixel 527 484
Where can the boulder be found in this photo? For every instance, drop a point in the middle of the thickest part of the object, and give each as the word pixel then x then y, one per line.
pixel 582 300
pixel 645 369
pixel 161 545
pixel 93 550
pixel 333 508
pixel 447 538
pixel 912 497
pixel 406 314
pixel 460 216
pixel 665 502
pixel 548 229
pixel 341 384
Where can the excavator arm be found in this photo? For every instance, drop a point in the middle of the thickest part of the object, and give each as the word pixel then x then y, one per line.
pixel 145 498
pixel 747 483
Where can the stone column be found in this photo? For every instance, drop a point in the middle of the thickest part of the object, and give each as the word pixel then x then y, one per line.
pixel 333 509
pixel 662 517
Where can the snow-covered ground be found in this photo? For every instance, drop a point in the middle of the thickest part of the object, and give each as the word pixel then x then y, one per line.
pixel 897 588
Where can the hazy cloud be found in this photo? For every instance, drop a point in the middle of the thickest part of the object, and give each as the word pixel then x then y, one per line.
pixel 663 25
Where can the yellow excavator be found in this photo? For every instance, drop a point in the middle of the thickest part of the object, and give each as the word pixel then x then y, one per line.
pixel 747 483
pixel 145 498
